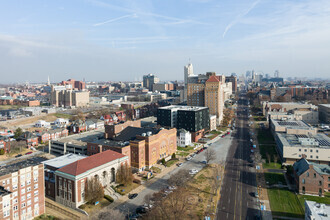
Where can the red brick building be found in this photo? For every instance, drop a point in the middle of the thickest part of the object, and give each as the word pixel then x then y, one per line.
pixel 311 178
pixel 70 180
pixel 80 85
pixel 22 190
pixel 4 144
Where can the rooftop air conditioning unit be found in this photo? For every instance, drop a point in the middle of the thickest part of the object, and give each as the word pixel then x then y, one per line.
pixel 143 134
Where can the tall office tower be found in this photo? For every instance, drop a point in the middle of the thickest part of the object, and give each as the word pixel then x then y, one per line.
pixel 253 75
pixel 188 71
pixel 248 74
pixel 277 74
pixel 214 96
pixel 149 81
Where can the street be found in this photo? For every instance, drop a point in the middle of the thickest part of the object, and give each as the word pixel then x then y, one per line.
pixel 237 192
pixel 221 147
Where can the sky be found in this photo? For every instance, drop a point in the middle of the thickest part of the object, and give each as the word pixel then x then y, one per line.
pixel 121 40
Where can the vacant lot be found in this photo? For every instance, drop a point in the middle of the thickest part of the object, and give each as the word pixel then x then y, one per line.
pixel 285 203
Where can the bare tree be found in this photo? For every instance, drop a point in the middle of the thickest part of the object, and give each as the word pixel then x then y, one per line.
pixel 209 155
pixel 179 179
pixel 257 157
pixel 93 190
pixel 124 174
pixel 275 158
pixel 109 213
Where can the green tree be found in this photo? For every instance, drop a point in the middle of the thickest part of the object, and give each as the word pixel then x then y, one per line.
pixel 18 133
pixel 173 156
pixel 2 151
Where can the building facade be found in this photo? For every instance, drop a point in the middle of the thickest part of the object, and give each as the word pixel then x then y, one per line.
pixel 149 80
pixel 233 80
pixel 324 113
pixel 70 180
pixel 22 190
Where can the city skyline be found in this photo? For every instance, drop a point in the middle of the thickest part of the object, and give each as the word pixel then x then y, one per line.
pixel 123 40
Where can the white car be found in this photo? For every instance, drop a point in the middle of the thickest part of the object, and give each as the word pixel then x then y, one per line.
pixel 188 158
pixel 193 172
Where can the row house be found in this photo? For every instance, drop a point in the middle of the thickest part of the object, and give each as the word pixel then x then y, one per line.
pixel 45 136
pixel 30 138
pixel 4 143
pixel 78 126
pixel 93 124
pixel 114 118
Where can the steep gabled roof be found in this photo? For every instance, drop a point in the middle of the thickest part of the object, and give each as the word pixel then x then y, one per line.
pixel 301 166
pixel 88 163
pixel 213 79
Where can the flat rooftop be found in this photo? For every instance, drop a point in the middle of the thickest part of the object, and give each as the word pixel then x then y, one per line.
pixel 64 160
pixel 295 140
pixel 325 105
pixel 292 124
pixel 111 143
pixel 83 138
pixel 318 210
pixel 183 107
pixel 14 167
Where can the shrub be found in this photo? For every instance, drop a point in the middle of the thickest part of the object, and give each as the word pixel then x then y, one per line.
pixel 109 198
pixel 137 181
pixel 163 161
pixel 173 156
pixel 2 151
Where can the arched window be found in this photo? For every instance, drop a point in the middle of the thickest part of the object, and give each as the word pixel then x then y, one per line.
pixel 307 174
pixel 303 190
pixel 303 181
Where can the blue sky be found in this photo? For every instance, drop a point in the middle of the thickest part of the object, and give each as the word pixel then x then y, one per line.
pixel 122 40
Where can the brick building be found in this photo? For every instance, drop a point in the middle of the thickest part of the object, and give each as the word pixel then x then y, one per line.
pixel 311 178
pixel 144 146
pixel 70 180
pixel 54 164
pixel 22 190
pixel 4 143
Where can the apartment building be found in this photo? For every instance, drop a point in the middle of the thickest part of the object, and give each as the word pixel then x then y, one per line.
pixel 68 98
pixel 191 118
pixel 233 80
pixel 324 113
pixel 22 190
pixel 214 96
pixel 291 127
pixel 285 107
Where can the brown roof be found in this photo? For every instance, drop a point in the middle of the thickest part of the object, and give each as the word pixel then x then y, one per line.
pixel 213 79
pixel 88 163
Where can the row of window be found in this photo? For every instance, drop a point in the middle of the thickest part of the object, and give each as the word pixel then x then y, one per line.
pixel 310 156
pixel 311 150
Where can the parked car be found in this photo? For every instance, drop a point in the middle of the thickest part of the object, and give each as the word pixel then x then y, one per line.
pixel 28 153
pixel 204 162
pixel 193 155
pixel 179 164
pixel 132 196
pixel 18 155
pixel 256 194
pixel 133 216
pixel 193 171
pixel 141 210
pixel 188 158
pixel 171 187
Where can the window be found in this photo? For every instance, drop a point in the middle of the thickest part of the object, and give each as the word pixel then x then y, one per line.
pixel 6 213
pixel 28 202
pixel 15 201
pixel 28 175
pixel 8 181
pixel 14 180
pixel 36 186
pixel 311 150
pixel 35 173
pixel 317 151
pixel 15 214
pixel 28 189
pixel 311 156
pixel 320 183
pixel 307 174
pixel 317 157
pixel 28 182
pixel 36 199
pixel 299 150
pixel 4 182
pixel 23 205
pixel 299 155
pixel 36 205
pixel 35 179
pixel 22 198
pixel 14 187
pixel 314 175
pixel 36 192
pixel 14 194
pixel 303 181
pixel 28 196
pixel 23 191
pixel 15 208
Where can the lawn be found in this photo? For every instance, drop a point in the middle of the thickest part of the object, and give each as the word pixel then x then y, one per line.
pixel 127 188
pixel 265 137
pixel 275 178
pixel 171 162
pixel 215 132
pixel 61 115
pixel 156 169
pixel 285 203
pixel 183 154
pixel 6 107
pixel 325 199
pixel 272 165
pixel 185 148
pixel 90 208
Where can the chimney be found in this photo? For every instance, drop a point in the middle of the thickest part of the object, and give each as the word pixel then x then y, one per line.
pixel 100 148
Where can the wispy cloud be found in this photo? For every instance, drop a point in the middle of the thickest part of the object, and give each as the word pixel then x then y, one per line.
pixel 237 19
pixel 115 19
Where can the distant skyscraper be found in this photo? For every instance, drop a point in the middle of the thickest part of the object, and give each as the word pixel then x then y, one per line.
pixel 277 74
pixel 149 81
pixel 253 75
pixel 188 71
pixel 248 74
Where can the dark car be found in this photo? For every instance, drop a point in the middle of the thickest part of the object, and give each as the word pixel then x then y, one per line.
pixel 179 164
pixel 132 196
pixel 141 210
pixel 29 153
pixel 18 155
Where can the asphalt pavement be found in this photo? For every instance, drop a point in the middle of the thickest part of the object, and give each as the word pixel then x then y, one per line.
pixel 239 184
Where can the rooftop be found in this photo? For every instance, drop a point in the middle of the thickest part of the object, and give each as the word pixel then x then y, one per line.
pixel 292 124
pixel 83 165
pixel 14 167
pixel 64 160
pixel 183 107
pixel 130 133
pixel 312 141
pixel 318 211
pixel 325 105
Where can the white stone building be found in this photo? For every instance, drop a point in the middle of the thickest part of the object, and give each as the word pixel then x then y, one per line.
pixel 183 138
